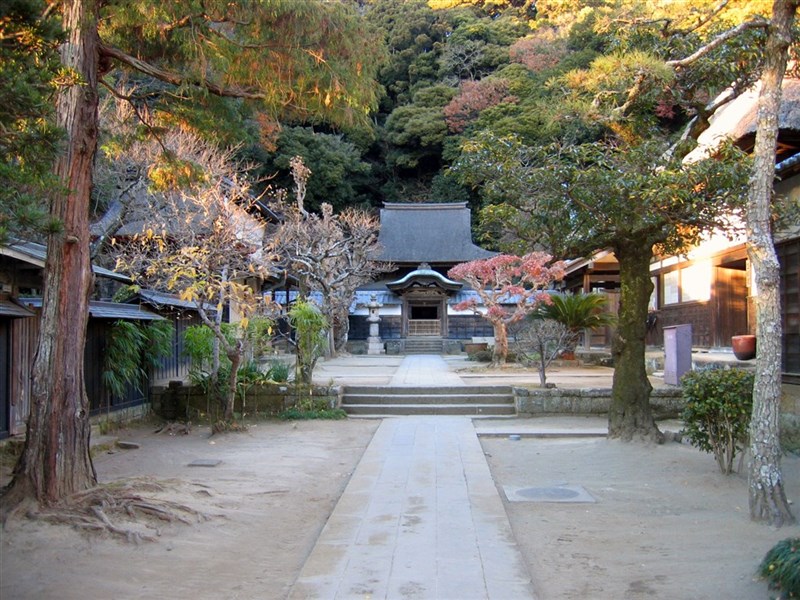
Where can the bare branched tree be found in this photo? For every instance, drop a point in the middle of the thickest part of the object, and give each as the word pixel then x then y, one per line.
pixel 195 235
pixel 333 255
pixel 330 254
pixel 540 341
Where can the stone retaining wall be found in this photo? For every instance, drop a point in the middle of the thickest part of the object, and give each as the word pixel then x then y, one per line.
pixel 181 402
pixel 666 403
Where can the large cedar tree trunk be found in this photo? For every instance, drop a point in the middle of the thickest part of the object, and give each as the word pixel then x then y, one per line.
pixel 767 496
pixel 55 461
pixel 630 416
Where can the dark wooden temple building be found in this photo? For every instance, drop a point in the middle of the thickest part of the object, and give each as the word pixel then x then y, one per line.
pixel 423 241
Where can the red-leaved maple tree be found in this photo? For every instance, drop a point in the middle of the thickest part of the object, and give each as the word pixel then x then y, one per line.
pixel 509 288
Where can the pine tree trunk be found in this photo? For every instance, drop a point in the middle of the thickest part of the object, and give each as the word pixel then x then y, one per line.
pixel 55 461
pixel 767 497
pixel 630 416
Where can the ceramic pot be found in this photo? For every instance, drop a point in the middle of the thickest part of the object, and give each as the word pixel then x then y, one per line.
pixel 744 346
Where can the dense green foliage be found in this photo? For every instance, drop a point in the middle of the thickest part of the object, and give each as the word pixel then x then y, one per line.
pixel 133 348
pixel 29 74
pixel 576 311
pixel 303 78
pixel 301 61
pixel 310 327
pixel 339 174
pixel 781 568
pixel 198 346
pixel 278 371
pixel 381 100
pixel 717 413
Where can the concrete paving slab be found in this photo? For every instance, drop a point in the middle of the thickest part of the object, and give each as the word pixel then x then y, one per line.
pixel 423 519
pixel 357 370
pixel 380 369
pixel 424 369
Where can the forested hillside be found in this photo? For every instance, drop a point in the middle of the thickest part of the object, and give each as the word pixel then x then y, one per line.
pixel 548 72
pixel 453 71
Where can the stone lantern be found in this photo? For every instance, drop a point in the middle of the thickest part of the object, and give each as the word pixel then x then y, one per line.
pixel 374 343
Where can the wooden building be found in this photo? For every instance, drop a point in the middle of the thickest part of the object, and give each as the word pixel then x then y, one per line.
pixel 21 270
pixel 710 286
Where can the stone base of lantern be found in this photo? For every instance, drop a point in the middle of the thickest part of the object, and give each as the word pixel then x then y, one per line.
pixel 375 346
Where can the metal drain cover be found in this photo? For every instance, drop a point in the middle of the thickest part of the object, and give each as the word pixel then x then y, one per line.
pixel 555 493
pixel 205 462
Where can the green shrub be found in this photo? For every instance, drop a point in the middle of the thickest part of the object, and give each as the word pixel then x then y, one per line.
pixel 132 349
pixel 781 568
pixel 576 312
pixel 717 413
pixel 480 356
pixel 310 331
pixel 278 371
pixel 310 407
pixel 249 374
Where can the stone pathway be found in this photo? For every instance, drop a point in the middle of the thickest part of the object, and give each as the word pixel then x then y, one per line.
pixel 424 369
pixel 420 518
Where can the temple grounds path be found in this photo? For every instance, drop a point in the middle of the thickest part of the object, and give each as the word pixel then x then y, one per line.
pixel 664 523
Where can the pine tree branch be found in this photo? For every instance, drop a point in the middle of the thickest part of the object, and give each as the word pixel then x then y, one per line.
pixel 640 82
pixel 757 23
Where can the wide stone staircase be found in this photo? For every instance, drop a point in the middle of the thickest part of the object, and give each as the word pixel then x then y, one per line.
pixel 425 400
pixel 423 345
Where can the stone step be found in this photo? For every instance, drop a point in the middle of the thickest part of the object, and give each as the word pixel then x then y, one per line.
pixel 426 400
pixel 350 398
pixel 380 410
pixel 423 346
pixel 404 390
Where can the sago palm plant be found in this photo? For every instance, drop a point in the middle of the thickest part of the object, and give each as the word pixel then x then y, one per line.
pixel 576 312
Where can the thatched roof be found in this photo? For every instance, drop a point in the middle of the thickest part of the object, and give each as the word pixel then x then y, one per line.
pixel 433 233
pixel 737 120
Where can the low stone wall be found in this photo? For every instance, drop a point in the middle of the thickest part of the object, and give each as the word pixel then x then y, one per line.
pixel 118 417
pixel 182 402
pixel 666 403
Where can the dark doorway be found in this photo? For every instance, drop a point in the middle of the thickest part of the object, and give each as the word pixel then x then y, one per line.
pixel 424 312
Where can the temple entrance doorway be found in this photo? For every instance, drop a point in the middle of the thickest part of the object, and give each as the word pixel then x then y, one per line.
pixel 424 316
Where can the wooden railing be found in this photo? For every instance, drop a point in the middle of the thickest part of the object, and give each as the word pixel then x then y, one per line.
pixel 424 328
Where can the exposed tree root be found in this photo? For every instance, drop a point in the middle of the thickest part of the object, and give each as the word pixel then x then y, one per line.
pixel 121 510
pixel 228 427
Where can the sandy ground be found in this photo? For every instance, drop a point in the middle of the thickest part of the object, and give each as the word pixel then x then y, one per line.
pixel 665 523
pixel 268 500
